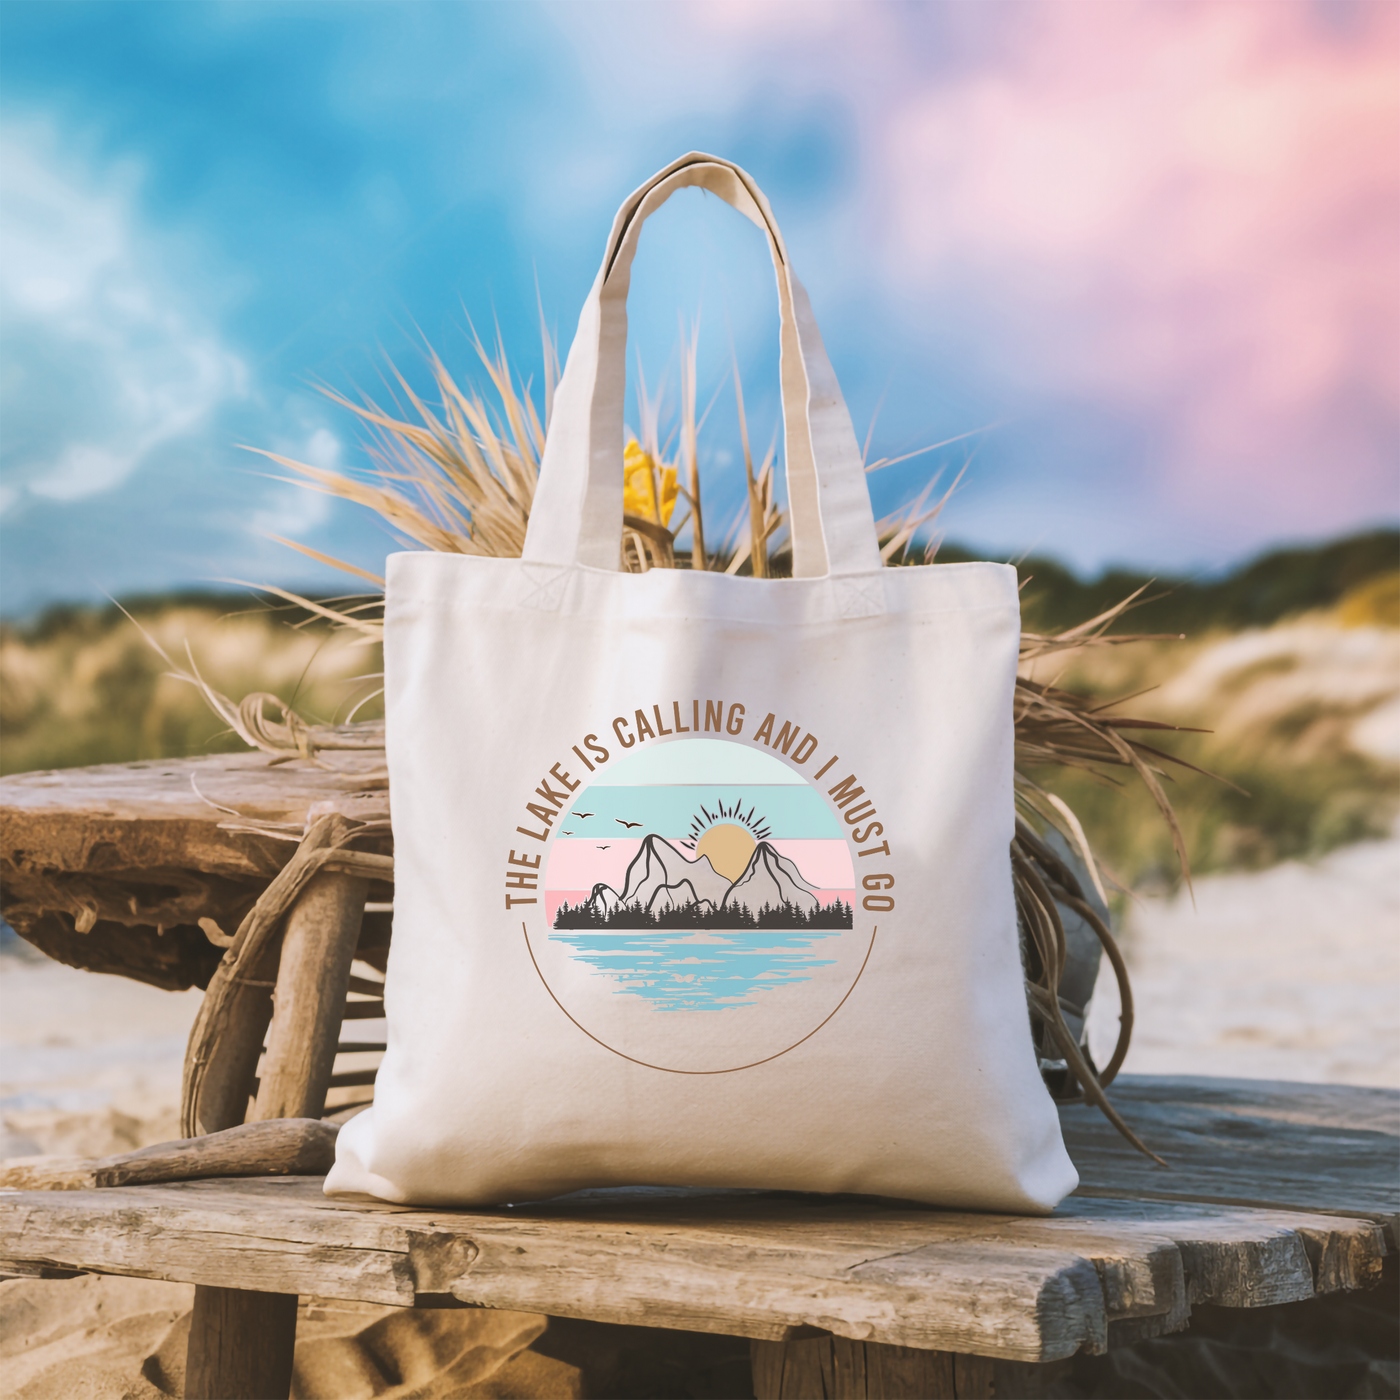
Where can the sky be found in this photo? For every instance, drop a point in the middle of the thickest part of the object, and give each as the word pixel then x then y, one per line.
pixel 1139 257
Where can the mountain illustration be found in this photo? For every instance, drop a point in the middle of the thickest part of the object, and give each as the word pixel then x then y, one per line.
pixel 664 886
pixel 660 877
pixel 773 880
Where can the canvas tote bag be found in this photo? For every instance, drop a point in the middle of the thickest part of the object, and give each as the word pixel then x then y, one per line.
pixel 702 880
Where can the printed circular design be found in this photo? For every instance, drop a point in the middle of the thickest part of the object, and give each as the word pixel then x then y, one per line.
pixel 698 908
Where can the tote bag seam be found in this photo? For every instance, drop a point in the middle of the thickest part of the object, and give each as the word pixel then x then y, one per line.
pixel 455 559
pixel 477 605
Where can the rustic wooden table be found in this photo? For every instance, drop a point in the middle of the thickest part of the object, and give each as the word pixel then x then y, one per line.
pixel 111 868
pixel 1275 1193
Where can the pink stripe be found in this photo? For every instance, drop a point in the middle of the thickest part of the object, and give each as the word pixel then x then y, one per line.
pixel 579 864
pixel 825 864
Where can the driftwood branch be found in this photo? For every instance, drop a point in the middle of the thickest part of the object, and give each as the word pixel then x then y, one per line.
pixel 313 977
pixel 278 1147
pixel 236 1008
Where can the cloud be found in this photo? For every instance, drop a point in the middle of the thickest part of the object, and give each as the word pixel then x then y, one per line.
pixel 1187 209
pixel 1154 240
pixel 105 361
pixel 1178 215
pixel 287 507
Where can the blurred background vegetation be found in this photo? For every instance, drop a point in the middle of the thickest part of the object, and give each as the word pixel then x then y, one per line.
pixel 81 685
pixel 1293 661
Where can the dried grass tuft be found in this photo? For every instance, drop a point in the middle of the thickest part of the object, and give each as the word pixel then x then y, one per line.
pixel 460 479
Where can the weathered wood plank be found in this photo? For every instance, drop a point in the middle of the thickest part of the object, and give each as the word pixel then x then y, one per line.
pixel 363 1011
pixel 353 1078
pixel 112 867
pixel 904 1373
pixel 164 820
pixel 766 1360
pixel 213 1233
pixel 741 1263
pixel 1299 1147
pixel 24 1269
pixel 1241 1257
pixel 1022 1302
pixel 974 1377
pixel 1132 1244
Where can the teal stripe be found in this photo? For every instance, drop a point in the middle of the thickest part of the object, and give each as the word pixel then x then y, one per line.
pixel 788 812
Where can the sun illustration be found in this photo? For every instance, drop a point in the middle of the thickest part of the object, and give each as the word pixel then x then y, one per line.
pixel 728 848
pixel 727 837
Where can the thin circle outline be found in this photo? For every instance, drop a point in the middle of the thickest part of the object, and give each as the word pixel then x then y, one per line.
pixel 666 1069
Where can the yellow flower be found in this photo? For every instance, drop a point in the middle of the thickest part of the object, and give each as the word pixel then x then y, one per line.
pixel 639 485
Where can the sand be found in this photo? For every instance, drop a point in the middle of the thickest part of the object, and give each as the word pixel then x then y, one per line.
pixel 1289 973
pixel 89 1064
pixel 125 1339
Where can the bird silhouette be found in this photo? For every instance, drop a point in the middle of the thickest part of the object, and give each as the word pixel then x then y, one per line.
pixel 629 825
pixel 605 848
pixel 566 833
pixel 583 814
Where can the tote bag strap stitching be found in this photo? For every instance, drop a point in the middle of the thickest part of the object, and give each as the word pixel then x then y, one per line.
pixel 577 515
pixel 545 586
pixel 860 597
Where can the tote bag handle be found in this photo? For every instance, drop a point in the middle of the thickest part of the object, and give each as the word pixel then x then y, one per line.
pixel 577 511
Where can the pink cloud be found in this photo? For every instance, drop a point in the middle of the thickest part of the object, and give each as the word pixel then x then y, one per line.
pixel 1185 213
pixel 825 865
pixel 1191 209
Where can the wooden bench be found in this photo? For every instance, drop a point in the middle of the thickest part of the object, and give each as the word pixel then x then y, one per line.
pixel 1276 1193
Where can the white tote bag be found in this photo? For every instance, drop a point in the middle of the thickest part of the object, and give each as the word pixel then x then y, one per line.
pixel 702 880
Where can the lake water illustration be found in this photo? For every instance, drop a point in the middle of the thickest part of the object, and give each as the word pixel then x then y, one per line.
pixel 715 970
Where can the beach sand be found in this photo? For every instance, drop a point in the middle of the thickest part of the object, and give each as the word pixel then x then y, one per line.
pixel 89 1064
pixel 1290 973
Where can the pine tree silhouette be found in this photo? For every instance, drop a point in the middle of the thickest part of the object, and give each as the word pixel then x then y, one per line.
pixel 694 914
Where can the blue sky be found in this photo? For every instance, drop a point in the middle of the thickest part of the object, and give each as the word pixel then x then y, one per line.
pixel 1150 245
